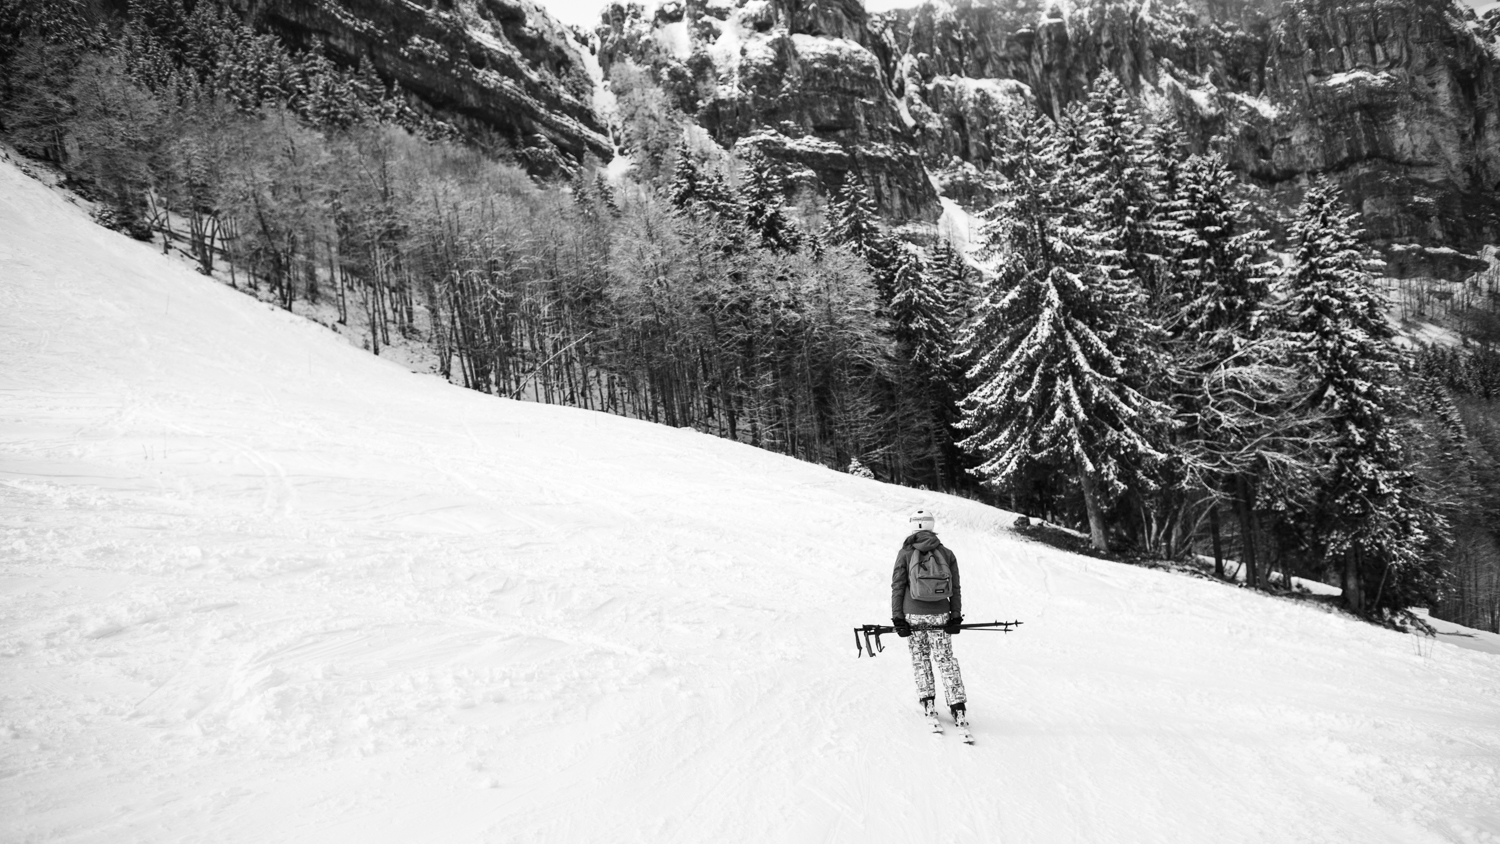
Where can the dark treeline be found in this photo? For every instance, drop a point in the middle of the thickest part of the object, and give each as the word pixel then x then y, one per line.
pixel 1134 358
pixel 1460 390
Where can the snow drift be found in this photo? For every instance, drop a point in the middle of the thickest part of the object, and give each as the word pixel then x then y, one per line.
pixel 257 585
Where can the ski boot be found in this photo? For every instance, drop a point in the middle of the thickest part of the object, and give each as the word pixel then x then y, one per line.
pixel 961 720
pixel 929 710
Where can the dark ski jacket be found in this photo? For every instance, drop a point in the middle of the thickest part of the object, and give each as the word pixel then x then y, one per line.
pixel 902 604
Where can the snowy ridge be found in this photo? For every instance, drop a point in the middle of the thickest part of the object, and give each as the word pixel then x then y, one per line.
pixel 259 586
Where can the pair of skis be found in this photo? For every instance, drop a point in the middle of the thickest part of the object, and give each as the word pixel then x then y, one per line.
pixel 963 726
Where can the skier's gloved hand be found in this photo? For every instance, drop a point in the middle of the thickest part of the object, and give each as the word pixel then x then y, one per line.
pixel 903 629
pixel 952 627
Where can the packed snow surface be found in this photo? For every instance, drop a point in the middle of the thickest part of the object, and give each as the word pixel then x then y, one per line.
pixel 257 585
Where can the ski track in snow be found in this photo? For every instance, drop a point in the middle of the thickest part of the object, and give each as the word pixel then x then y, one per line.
pixel 259 586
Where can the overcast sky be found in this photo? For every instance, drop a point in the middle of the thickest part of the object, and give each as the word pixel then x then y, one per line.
pixel 585 13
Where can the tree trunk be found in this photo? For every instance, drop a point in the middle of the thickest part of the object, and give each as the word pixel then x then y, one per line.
pixel 1242 504
pixel 1353 584
pixel 1213 527
pixel 1096 514
pixel 370 306
pixel 336 272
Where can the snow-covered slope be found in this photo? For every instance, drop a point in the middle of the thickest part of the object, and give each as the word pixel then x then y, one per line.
pixel 259 586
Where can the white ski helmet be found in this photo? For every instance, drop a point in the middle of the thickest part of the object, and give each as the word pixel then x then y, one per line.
pixel 921 520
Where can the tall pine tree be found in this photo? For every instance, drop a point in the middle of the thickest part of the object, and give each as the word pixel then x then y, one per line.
pixel 1245 436
pixel 1051 388
pixel 686 186
pixel 1371 524
pixel 764 192
pixel 922 319
pixel 852 222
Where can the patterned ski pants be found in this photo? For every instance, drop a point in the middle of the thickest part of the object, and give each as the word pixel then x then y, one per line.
pixel 928 646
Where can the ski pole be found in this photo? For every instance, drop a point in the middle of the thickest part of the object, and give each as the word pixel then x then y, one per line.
pixel 868 631
pixel 1002 626
pixel 863 634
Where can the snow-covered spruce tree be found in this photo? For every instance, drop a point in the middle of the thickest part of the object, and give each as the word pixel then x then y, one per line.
pixel 764 194
pixel 852 222
pixel 703 193
pixel 606 193
pixel 1050 383
pixel 685 188
pixel 1220 282
pixel 1126 168
pixel 953 279
pixel 922 319
pixel 331 95
pixel 921 316
pixel 1371 523
pixel 1245 433
pixel 715 195
pixel 1131 169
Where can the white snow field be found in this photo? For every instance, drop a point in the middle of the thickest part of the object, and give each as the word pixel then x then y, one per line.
pixel 257 585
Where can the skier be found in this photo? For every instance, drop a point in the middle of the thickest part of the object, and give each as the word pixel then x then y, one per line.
pixel 925 594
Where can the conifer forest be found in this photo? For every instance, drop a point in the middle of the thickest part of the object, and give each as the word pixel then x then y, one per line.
pixel 1131 345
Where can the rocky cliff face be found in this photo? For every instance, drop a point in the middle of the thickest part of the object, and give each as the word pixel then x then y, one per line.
pixel 792 79
pixel 1399 100
pixel 1396 99
pixel 496 69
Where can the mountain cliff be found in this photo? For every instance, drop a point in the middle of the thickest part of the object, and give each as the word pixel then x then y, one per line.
pixel 500 71
pixel 1396 100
